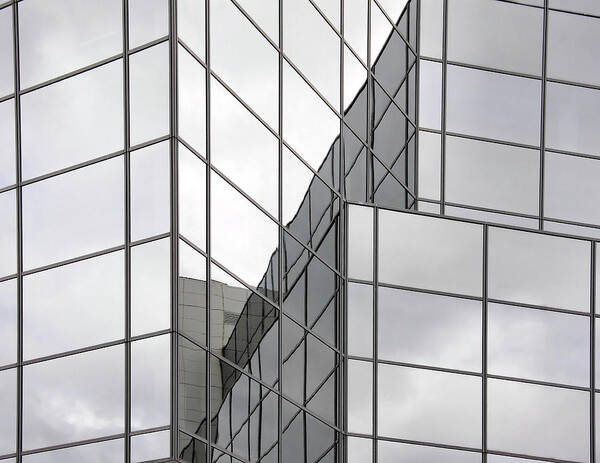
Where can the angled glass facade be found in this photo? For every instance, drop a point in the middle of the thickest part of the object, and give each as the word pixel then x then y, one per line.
pixel 298 231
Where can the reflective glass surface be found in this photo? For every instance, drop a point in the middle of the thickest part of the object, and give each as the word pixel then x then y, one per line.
pixel 153 446
pixel 73 214
pixel 360 243
pixel 6 52
pixel 429 330
pixel 150 287
pixel 432 27
pixel 414 399
pixel 73 398
pixel 429 165
pixel 493 105
pixel 539 269
pixel 8 233
pixel 102 452
pixel 492 175
pixel 7 143
pixel 90 292
pixel 8 411
pixel 360 396
pixel 522 419
pixel 430 94
pixel 8 322
pixel 572 115
pixel 360 320
pixel 149 93
pixel 74 120
pixel 150 382
pixel 391 452
pixel 191 100
pixel 148 20
pixel 477 35
pixel 61 36
pixel 538 345
pixel 430 253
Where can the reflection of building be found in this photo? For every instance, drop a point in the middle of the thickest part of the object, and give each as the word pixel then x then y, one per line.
pixel 374 242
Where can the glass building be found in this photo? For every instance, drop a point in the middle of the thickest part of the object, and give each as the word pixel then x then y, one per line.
pixel 284 231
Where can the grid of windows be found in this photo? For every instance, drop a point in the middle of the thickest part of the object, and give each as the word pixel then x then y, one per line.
pixel 481 341
pixel 515 108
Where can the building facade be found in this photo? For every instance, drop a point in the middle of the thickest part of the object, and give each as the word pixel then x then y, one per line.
pixel 299 230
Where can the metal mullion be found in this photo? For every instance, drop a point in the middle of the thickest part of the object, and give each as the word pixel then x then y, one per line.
pixel 592 365
pixel 543 118
pixel 368 119
pixel 281 235
pixel 495 211
pixel 127 230
pixel 174 227
pixel 484 343
pixel 375 347
pixel 443 109
pixel 416 90
pixel 19 220
pixel 208 173
pixel 73 444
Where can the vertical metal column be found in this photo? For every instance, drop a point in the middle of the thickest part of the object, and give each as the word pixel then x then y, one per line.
pixel 543 116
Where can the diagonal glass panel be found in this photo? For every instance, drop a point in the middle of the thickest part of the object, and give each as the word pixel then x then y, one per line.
pixel 191 25
pixel 318 58
pixel 265 14
pixel 242 57
pixel 55 298
pixel 308 124
pixel 355 26
pixel 243 149
pixel 74 120
pixel 63 35
pixel 243 238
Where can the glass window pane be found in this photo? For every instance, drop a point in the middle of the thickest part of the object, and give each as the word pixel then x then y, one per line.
pixel 492 175
pixel 539 269
pixel 73 214
pixel 151 382
pixel 243 58
pixel 191 100
pixel 538 420
pixel 430 253
pixel 319 58
pixel 492 105
pixel 74 120
pixel 430 94
pixel 429 330
pixel 359 450
pixel 89 295
pixel 502 459
pixel 73 398
pixel 429 165
pixel 8 155
pixel 153 446
pixel 8 233
pixel 451 401
pixel 102 452
pixel 148 20
pixel 432 27
pixel 151 287
pixel 8 322
pixel 360 396
pixel 8 411
pixel 191 25
pixel 572 190
pixel 7 70
pixel 150 191
pixel 243 238
pixel 192 197
pixel 149 93
pixel 308 124
pixel 63 35
pixel 248 153
pixel 538 345
pixel 360 242
pixel 572 118
pixel 355 26
pixel 360 320
pixel 477 34
pixel 393 452
pixel 572 54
